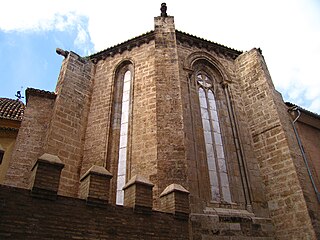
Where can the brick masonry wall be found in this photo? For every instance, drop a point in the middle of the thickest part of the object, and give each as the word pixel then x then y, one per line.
pixel 69 120
pixel 310 138
pixel 274 147
pixel 30 140
pixel 26 217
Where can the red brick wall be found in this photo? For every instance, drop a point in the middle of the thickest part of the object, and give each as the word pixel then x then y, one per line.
pixel 26 217
pixel 310 138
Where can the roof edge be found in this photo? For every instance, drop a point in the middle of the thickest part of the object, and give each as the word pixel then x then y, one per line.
pixel 209 45
pixel 148 36
pixel 305 111
pixel 121 47
pixel 39 93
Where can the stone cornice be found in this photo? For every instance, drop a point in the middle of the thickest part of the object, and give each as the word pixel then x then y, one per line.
pixel 149 36
pixel 119 48
pixel 183 37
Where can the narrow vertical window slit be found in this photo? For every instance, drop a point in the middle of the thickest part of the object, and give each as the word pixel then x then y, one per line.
pixel 123 144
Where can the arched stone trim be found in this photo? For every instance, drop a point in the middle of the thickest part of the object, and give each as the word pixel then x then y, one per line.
pixel 127 62
pixel 119 147
pixel 208 59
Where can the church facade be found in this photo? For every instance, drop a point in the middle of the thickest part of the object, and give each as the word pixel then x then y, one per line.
pixel 176 113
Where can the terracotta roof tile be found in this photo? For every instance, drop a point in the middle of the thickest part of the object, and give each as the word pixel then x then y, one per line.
pixel 11 109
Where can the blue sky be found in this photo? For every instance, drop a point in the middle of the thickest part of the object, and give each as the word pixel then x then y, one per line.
pixel 287 31
pixel 29 58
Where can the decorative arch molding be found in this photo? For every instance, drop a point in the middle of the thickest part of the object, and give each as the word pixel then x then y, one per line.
pixel 122 64
pixel 201 61
pixel 118 149
pixel 208 59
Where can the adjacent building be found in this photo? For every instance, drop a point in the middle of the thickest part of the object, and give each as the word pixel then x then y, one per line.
pixel 11 113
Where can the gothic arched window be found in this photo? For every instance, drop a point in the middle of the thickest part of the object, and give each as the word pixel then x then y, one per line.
pixel 219 183
pixel 123 143
pixel 118 149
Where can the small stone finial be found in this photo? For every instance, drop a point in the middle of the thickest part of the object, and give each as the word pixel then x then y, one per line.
pixel 62 52
pixel 163 10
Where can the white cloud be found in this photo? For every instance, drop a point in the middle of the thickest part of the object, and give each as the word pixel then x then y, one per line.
pixel 288 31
pixel 82 38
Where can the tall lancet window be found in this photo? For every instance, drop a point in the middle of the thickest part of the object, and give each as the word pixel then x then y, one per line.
pixel 219 183
pixel 123 143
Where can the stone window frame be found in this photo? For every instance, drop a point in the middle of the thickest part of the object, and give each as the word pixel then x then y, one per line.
pixel 114 134
pixel 235 158
pixel 224 195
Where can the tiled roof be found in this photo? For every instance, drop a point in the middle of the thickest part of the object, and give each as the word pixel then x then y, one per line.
pixel 11 109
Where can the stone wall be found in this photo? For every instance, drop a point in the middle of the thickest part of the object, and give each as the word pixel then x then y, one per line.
pixel 248 215
pixel 31 137
pixel 66 134
pixel 275 148
pixel 98 148
pixel 230 121
pixel 171 149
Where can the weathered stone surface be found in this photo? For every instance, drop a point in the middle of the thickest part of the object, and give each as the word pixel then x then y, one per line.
pixel 30 140
pixel 275 148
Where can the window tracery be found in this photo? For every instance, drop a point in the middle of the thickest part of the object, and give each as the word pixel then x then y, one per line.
pixel 218 176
